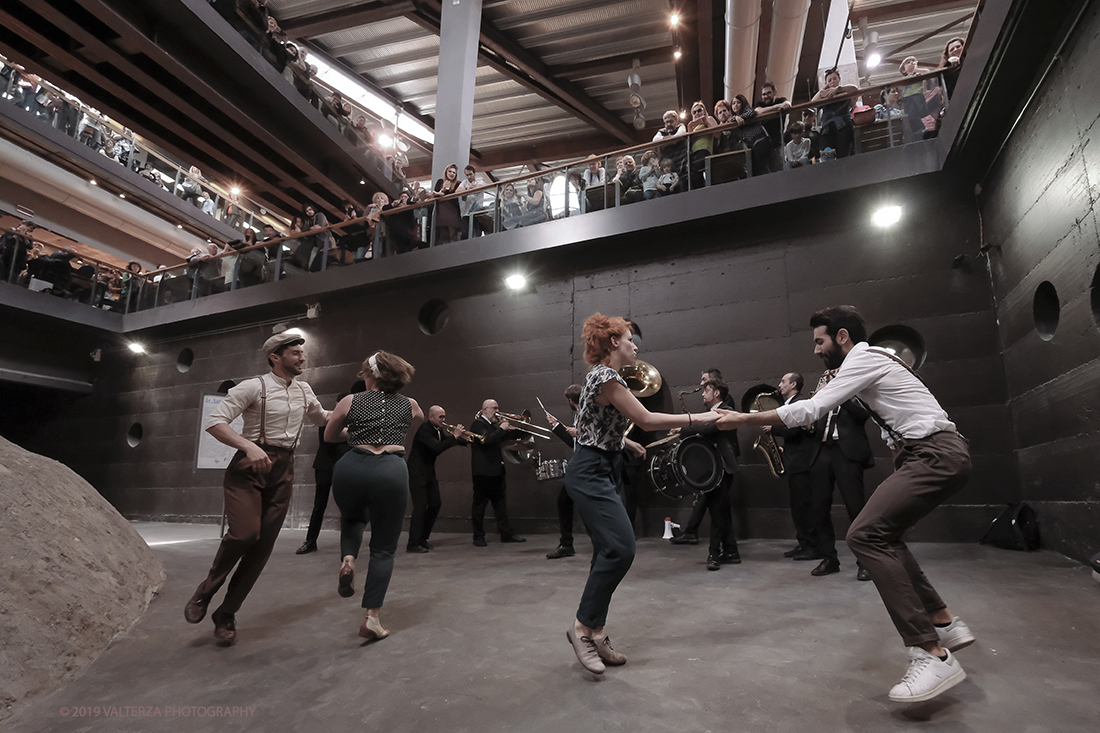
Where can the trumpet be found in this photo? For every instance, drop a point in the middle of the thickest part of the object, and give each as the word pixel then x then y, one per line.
pixel 467 434
pixel 523 423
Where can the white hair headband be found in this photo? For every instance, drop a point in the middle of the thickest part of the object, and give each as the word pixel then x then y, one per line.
pixel 372 362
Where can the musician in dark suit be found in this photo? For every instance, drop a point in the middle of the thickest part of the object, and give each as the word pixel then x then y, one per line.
pixel 690 535
pixel 723 545
pixel 565 504
pixel 430 440
pixel 798 456
pixel 327 456
pixel 842 453
pixel 487 463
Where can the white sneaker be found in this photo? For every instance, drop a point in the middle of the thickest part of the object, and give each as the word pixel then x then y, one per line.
pixel 956 635
pixel 927 676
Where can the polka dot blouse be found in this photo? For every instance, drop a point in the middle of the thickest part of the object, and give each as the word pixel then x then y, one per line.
pixel 378 418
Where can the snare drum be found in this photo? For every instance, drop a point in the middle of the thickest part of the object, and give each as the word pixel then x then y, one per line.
pixel 682 466
pixel 552 468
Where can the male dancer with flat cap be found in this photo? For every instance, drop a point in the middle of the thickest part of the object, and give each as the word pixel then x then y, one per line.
pixel 260 477
pixel 931 464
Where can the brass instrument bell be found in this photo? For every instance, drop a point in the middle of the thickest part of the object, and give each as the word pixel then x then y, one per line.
pixel 642 378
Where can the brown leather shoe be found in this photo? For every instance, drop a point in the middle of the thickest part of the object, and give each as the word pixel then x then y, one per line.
pixel 225 628
pixel 586 651
pixel 345 586
pixel 372 629
pixel 607 654
pixel 195 610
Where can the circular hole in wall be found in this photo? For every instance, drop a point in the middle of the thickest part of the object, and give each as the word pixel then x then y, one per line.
pixel 225 386
pixel 134 435
pixel 185 360
pixel 904 342
pixel 1094 294
pixel 433 316
pixel 1045 308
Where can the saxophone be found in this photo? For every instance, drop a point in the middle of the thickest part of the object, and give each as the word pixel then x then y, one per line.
pixel 765 442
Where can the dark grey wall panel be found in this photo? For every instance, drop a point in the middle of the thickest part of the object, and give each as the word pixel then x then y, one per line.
pixel 1039 212
pixel 734 291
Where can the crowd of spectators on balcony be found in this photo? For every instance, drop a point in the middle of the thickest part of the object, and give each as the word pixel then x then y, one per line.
pixel 739 126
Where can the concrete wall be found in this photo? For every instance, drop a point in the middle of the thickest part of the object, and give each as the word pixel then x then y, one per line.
pixel 1039 208
pixel 734 291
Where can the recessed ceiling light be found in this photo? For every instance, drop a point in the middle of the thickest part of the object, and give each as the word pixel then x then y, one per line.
pixel 515 282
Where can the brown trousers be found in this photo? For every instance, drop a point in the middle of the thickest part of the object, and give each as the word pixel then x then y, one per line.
pixel 255 507
pixel 926 473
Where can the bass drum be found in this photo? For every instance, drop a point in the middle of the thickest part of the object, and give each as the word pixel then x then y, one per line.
pixel 682 466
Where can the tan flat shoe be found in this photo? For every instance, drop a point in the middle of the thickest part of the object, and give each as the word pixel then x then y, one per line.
pixel 372 629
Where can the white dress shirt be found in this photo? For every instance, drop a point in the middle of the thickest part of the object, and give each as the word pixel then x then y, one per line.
pixel 288 405
pixel 887 387
pixel 473 201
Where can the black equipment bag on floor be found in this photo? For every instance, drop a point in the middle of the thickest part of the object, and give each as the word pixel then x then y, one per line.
pixel 1015 528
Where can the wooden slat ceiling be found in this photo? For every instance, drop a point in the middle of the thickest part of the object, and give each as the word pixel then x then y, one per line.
pixel 555 70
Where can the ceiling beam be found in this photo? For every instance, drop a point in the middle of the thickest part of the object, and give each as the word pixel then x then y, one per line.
pixel 812 40
pixel 574 147
pixel 909 9
pixel 331 21
pixel 508 57
pixel 917 41
pixel 763 49
pixel 414 34
pixel 610 64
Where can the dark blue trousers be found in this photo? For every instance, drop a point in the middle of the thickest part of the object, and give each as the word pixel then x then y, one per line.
pixel 591 479
pixel 372 488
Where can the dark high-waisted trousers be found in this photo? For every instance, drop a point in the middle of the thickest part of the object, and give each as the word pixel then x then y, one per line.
pixel 374 488
pixel 591 479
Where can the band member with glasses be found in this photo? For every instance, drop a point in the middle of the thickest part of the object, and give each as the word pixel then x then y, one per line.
pixel 371 480
pixel 487 469
pixel 605 409
pixel 931 464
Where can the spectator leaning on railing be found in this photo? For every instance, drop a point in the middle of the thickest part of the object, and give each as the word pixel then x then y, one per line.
pixel 837 130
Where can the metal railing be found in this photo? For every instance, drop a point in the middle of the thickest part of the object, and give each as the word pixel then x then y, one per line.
pixel 65 112
pixel 670 167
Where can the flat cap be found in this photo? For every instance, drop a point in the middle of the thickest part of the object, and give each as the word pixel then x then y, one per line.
pixel 282 339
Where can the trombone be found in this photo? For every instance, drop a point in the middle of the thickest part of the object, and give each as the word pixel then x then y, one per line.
pixel 523 423
pixel 467 434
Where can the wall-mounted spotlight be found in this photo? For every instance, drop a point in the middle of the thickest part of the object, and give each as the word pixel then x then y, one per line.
pixel 674 19
pixel 93 182
pixel 886 216
pixel 236 191
pixel 516 282
pixel 136 347
pixel 677 54
pixel 122 195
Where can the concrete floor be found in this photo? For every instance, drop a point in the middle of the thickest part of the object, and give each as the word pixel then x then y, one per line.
pixel 478 644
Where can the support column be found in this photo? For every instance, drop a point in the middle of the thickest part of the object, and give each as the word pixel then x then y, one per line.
pixel 459 36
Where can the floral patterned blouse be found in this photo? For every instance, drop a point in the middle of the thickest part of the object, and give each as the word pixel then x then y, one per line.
pixel 598 426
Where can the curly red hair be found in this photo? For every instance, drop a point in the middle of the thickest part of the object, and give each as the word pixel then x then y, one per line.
pixel 597 332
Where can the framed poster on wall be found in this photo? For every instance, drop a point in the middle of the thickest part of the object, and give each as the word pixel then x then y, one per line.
pixel 211 453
